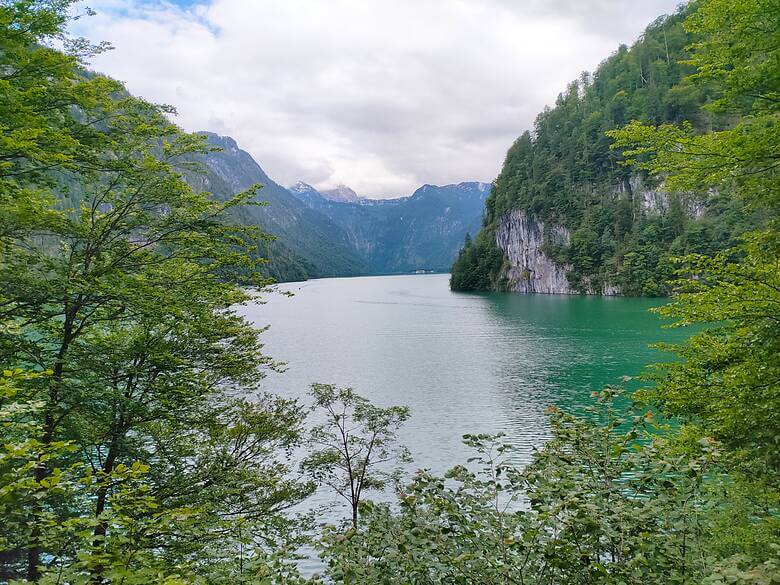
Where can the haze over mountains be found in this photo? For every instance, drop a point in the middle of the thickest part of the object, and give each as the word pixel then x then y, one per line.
pixel 421 232
pixel 341 193
pixel 338 233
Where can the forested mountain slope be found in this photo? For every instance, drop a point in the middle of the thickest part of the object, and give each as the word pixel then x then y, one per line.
pixel 421 232
pixel 337 233
pixel 307 244
pixel 565 216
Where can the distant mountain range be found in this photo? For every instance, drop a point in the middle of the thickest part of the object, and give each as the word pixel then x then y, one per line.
pixel 338 233
pixel 341 193
pixel 421 232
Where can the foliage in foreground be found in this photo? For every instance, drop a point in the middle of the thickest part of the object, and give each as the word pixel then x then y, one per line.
pixel 728 380
pixel 126 458
pixel 606 501
pixel 355 449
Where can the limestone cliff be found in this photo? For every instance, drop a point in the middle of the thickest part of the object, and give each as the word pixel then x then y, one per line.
pixel 527 268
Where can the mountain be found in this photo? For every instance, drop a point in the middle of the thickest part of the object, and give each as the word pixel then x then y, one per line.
pixel 341 194
pixel 306 193
pixel 336 232
pixel 308 244
pixel 420 232
pixel 565 216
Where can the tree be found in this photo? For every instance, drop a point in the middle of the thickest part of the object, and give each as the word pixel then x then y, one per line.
pixel 477 264
pixel 606 501
pixel 355 446
pixel 118 294
pixel 728 381
pixel 729 378
pixel 42 88
pixel 736 54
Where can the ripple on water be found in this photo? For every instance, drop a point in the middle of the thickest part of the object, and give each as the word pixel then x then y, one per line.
pixel 463 363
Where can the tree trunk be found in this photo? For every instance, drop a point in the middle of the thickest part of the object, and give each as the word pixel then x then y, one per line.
pixel 49 423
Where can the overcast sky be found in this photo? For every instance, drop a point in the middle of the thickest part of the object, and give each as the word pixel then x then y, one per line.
pixel 382 95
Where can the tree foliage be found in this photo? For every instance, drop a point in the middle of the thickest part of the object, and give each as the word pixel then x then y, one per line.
pixel 477 265
pixel 354 450
pixel 570 170
pixel 607 501
pixel 126 459
pixel 728 379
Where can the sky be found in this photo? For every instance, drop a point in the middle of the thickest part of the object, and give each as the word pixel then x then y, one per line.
pixel 380 95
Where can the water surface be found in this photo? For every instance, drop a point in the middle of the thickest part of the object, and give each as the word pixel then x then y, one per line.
pixel 463 362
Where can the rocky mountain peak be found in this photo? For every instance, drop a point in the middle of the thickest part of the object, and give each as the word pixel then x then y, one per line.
pixel 300 187
pixel 341 194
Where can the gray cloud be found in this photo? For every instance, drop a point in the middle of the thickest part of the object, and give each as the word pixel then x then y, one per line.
pixel 382 95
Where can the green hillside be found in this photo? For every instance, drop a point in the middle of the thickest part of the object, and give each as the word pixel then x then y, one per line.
pixel 565 173
pixel 307 244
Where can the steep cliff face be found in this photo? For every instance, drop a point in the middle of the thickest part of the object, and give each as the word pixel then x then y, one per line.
pixel 527 268
pixel 524 240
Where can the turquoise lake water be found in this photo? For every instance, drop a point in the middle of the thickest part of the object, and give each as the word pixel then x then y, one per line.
pixel 463 362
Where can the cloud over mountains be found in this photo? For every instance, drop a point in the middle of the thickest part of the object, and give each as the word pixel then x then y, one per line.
pixel 381 95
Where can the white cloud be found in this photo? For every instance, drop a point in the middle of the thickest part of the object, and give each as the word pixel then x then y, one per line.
pixel 382 95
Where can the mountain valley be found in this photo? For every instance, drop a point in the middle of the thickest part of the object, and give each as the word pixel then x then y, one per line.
pixel 336 232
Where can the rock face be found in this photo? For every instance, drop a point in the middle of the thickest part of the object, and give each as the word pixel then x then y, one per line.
pixel 341 194
pixel 655 200
pixel 529 269
pixel 522 238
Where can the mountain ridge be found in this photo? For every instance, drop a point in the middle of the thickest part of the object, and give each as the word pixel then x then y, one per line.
pixel 306 245
pixel 325 234
pixel 421 231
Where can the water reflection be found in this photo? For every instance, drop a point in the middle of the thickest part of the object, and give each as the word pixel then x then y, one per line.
pixel 464 363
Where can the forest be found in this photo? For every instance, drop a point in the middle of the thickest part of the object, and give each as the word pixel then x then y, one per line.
pixel 568 172
pixel 138 444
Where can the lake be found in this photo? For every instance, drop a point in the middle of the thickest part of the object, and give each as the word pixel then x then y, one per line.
pixel 463 362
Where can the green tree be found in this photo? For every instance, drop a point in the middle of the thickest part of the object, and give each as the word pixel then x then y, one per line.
pixel 606 501
pixel 117 280
pixel 477 265
pixel 355 448
pixel 728 380
pixel 736 53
